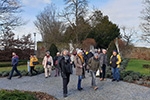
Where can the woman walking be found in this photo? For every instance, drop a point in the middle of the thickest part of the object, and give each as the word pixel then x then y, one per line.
pixel 47 63
pixel 79 63
pixel 33 63
pixel 65 66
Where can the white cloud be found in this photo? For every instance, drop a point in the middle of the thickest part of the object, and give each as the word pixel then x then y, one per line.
pixel 35 3
pixel 124 12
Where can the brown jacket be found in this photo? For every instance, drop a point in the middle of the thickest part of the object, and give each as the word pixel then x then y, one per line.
pixel 78 63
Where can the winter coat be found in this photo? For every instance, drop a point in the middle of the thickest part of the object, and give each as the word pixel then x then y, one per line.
pixel 46 60
pixel 117 62
pixel 78 63
pixel 15 60
pixel 101 59
pixel 33 59
pixel 62 64
pixel 94 64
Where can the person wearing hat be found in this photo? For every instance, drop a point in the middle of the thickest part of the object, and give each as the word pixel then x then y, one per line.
pixel 66 69
pixel 94 65
pixel 115 61
pixel 47 63
pixel 79 64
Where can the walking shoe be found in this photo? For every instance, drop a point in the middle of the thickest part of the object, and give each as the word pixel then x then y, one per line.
pixel 9 78
pixel 80 89
pixel 46 77
pixel 95 88
pixel 20 76
pixel 104 79
pixel 100 79
pixel 117 80
pixel 113 80
pixel 65 95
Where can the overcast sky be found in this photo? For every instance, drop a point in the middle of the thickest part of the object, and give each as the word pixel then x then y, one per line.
pixel 121 12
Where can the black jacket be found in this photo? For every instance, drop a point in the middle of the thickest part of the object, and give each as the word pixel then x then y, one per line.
pixel 63 66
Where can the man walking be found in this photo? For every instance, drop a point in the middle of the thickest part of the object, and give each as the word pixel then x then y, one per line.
pixel 15 60
pixel 94 64
pixel 103 63
pixel 115 61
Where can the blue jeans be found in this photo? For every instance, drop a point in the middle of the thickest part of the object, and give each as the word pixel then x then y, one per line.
pixel 79 81
pixel 115 72
pixel 14 69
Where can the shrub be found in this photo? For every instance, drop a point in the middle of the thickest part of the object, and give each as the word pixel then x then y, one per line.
pixel 128 79
pixel 5 73
pixel 108 75
pixel 145 77
pixel 0 74
pixel 146 66
pixel 15 95
pixel 53 50
pixel 148 83
pixel 135 77
pixel 139 82
pixel 24 73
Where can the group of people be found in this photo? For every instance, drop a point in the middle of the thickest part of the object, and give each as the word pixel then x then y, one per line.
pixel 82 60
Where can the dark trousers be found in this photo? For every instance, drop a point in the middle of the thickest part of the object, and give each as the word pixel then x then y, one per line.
pixel 83 74
pixel 32 69
pixel 65 84
pixel 102 75
pixel 12 71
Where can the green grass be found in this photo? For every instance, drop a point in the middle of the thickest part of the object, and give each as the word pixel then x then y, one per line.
pixel 136 65
pixel 21 67
pixel 15 95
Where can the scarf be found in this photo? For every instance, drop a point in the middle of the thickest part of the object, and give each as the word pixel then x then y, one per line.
pixel 81 57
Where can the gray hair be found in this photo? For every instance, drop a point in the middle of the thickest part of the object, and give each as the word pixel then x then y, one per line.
pixel 104 50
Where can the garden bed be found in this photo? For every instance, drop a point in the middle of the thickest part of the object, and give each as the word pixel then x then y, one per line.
pixel 24 95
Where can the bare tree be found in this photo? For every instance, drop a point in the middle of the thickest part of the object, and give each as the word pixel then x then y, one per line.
pixel 9 10
pixel 49 26
pixel 146 17
pixel 73 11
pixel 127 35
pixel 145 25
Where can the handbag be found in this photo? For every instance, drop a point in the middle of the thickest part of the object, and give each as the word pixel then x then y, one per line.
pixel 97 73
pixel 49 63
pixel 35 63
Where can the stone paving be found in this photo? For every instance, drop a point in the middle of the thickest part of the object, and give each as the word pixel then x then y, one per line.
pixel 53 85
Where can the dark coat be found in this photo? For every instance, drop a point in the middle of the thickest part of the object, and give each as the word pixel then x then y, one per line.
pixel 62 65
pixel 15 60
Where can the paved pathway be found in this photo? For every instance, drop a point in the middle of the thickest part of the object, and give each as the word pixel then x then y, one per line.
pixel 107 90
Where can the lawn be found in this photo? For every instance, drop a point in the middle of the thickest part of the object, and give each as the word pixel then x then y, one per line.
pixel 21 67
pixel 137 66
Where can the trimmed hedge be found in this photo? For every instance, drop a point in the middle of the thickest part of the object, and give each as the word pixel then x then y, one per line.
pixel 146 66
pixel 23 72
pixel 8 64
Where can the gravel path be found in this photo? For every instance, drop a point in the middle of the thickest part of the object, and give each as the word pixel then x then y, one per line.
pixel 53 85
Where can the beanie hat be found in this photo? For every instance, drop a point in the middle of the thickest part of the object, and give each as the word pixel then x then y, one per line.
pixel 96 54
pixel 79 51
pixel 115 51
pixel 48 52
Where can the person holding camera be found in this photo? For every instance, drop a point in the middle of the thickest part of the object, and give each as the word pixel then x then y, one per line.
pixel 47 63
